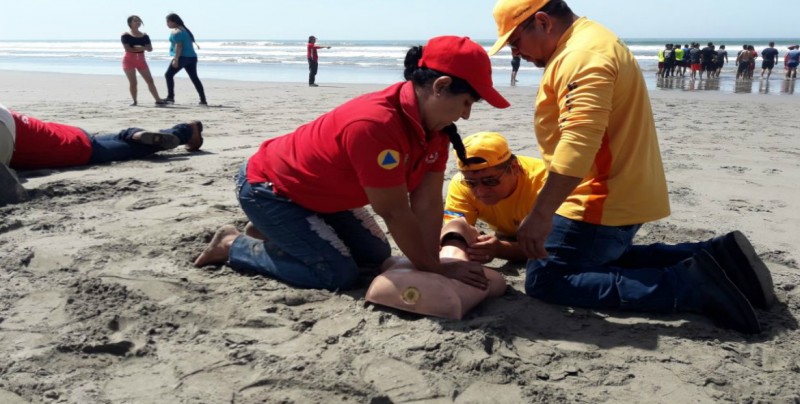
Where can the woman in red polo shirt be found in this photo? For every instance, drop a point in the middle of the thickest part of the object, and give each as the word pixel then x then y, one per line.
pixel 305 192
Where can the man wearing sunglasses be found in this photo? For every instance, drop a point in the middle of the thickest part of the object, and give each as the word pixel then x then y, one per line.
pixel 597 137
pixel 496 187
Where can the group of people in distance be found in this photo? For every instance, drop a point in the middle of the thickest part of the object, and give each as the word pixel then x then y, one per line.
pixel 571 215
pixel 673 60
pixel 181 48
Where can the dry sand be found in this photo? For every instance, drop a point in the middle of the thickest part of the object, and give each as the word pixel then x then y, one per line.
pixel 99 301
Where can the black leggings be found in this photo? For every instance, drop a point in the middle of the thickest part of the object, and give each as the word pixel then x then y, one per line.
pixel 312 70
pixel 190 64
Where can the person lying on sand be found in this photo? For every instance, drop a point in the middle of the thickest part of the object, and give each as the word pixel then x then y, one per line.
pixel 39 144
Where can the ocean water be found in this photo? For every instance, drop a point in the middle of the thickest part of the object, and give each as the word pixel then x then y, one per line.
pixel 379 62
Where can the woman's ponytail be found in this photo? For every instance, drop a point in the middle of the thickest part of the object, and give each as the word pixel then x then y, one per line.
pixel 411 62
pixel 458 145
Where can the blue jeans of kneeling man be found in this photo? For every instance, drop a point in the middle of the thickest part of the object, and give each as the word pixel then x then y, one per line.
pixel 305 248
pixel 597 266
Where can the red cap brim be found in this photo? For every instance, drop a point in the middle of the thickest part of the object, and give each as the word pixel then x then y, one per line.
pixel 491 96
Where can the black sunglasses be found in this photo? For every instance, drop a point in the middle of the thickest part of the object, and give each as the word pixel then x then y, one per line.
pixel 490 182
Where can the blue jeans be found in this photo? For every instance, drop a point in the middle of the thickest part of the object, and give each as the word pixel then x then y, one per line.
pixel 598 266
pixel 305 248
pixel 120 147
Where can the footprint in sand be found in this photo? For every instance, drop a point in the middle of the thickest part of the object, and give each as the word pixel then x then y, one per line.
pixel 149 203
pixel 735 169
pixel 741 205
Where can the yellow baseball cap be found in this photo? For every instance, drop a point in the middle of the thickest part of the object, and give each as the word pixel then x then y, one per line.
pixel 508 14
pixel 490 146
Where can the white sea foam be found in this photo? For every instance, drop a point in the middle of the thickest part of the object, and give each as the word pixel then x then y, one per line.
pixel 349 61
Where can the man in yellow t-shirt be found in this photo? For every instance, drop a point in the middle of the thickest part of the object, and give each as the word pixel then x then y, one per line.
pixel 597 137
pixel 496 187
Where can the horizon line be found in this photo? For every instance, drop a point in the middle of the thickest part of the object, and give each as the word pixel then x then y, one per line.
pixel 407 39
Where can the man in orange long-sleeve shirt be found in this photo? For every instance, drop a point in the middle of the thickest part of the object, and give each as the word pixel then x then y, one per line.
pixel 597 136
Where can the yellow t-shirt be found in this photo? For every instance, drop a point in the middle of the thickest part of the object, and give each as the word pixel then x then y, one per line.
pixel 505 216
pixel 593 120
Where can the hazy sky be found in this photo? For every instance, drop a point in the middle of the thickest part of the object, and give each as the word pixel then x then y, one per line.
pixel 384 19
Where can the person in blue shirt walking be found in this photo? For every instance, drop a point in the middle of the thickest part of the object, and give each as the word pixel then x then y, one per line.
pixel 183 57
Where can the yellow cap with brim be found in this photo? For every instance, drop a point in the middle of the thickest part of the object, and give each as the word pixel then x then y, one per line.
pixel 508 14
pixel 492 147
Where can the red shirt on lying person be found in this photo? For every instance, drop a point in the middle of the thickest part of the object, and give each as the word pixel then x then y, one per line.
pixel 42 144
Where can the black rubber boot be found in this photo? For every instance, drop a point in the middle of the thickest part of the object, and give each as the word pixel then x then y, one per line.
pixel 741 264
pixel 714 295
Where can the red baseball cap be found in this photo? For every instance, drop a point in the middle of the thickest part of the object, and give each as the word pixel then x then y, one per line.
pixel 463 58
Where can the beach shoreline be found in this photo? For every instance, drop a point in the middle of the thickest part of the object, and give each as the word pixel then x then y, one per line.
pixel 99 301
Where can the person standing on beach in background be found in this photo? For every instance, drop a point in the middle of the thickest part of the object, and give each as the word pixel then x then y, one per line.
pixel 786 62
pixel 722 59
pixel 752 66
pixel 680 60
pixel 313 59
pixel 305 192
pixel 792 61
pixel 181 49
pixel 743 62
pixel 694 60
pixel 686 61
pixel 515 61
pixel 770 56
pixel 40 144
pixel 496 187
pixel 597 137
pixel 669 60
pixel 136 43
pixel 661 64
pixel 708 61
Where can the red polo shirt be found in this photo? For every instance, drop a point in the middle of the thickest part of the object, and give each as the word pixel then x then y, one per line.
pixel 42 144
pixel 311 51
pixel 376 141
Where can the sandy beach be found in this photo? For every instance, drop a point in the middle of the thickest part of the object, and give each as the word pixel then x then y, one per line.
pixel 100 302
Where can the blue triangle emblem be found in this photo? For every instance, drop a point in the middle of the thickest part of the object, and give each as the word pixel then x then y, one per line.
pixel 389 160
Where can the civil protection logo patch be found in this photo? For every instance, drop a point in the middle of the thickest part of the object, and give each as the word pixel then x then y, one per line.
pixel 388 159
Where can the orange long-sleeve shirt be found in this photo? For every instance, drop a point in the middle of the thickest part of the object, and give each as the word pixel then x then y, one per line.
pixel 594 121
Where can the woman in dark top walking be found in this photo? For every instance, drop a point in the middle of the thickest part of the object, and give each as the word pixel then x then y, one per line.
pixel 183 57
pixel 136 43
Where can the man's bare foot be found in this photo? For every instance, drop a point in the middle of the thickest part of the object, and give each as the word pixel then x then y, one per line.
pixel 218 248
pixel 251 231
